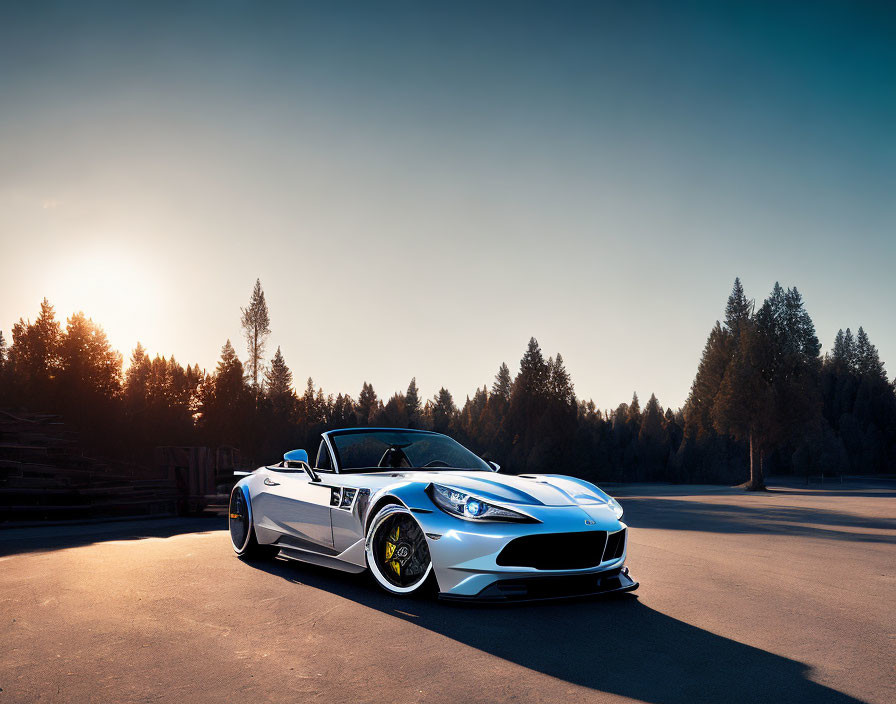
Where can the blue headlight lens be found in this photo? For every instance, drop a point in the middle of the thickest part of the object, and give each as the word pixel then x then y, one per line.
pixel 460 504
pixel 475 507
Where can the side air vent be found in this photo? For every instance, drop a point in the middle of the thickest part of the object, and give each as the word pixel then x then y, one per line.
pixel 615 545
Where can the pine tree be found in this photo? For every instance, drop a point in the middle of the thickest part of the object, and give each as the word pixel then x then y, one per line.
pixel 34 355
pixel 320 406
pixel 738 309
pixel 559 382
pixel 867 360
pixel 367 404
pixel 229 372
pixel 136 381
pixel 412 403
pixel 6 382
pixel 798 328
pixel 619 416
pixel 492 428
pixel 342 414
pixel 849 350
pixel 313 404
pixel 223 398
pixel 88 366
pixel 479 402
pixel 395 412
pixel 503 383
pixel 256 325
pixel 529 398
pixel 838 351
pixel 770 387
pixel 651 421
pixel 179 395
pixel 278 379
pixel 716 356
pixel 532 380
pixel 744 402
pixel 443 411
pixel 634 411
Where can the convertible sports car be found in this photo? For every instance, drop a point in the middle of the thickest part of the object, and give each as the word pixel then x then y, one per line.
pixel 419 510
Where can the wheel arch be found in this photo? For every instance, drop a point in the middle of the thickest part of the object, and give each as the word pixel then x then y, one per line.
pixel 245 485
pixel 380 507
pixel 242 486
pixel 378 504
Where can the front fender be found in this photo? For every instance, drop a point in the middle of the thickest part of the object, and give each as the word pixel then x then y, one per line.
pixel 411 495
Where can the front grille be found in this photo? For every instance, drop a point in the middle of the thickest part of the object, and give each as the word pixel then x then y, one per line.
pixel 615 545
pixel 555 551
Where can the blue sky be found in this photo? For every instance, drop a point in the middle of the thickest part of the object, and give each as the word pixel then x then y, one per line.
pixel 421 189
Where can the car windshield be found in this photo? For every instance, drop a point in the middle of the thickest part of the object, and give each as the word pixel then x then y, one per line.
pixel 370 448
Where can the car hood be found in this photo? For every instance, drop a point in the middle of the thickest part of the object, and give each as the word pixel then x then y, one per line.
pixel 526 490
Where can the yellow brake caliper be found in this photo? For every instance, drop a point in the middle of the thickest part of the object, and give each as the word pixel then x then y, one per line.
pixel 391 544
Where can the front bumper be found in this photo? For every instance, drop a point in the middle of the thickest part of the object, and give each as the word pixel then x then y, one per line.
pixel 465 554
pixel 554 587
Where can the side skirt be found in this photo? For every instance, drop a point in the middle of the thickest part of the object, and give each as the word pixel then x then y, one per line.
pixel 321 560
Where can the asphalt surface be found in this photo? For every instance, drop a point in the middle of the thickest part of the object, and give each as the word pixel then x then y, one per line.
pixel 785 596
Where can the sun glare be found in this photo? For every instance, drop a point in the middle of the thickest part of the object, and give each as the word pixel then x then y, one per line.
pixel 118 290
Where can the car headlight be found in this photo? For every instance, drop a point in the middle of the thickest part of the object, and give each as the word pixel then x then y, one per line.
pixel 462 505
pixel 614 504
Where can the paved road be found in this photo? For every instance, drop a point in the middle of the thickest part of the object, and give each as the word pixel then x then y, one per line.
pixel 780 597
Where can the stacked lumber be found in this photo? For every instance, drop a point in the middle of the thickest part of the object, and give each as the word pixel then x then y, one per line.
pixel 203 476
pixel 44 476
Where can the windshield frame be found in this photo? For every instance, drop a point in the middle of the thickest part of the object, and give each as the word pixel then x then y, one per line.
pixel 330 436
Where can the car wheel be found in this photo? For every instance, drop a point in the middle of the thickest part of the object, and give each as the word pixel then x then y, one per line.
pixel 397 553
pixel 242 531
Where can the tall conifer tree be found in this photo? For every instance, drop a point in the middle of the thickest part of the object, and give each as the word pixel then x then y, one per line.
pixel 412 403
pixel 256 324
pixel 738 309
pixel 367 404
pixel 711 370
pixel 867 360
pixel 278 379
pixel 503 383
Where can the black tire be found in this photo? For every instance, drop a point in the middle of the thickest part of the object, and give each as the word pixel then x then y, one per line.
pixel 397 553
pixel 242 529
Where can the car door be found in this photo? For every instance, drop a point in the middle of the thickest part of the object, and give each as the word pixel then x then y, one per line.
pixel 288 502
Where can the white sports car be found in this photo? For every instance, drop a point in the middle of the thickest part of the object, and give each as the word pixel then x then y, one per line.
pixel 419 510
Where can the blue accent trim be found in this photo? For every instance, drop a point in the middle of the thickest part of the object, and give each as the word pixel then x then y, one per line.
pixel 296 456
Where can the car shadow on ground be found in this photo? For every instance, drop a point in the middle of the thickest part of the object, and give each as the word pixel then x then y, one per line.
pixel 56 537
pixel 681 514
pixel 611 644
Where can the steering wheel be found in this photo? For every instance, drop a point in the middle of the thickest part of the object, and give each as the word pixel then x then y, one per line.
pixel 394 457
pixel 436 463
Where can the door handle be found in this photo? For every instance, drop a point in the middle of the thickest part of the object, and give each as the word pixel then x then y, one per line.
pixel 270 482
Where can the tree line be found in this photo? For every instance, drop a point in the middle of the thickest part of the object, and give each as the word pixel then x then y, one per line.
pixel 763 400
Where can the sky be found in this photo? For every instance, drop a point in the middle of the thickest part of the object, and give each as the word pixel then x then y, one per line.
pixel 421 188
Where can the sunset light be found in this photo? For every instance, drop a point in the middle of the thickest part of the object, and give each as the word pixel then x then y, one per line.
pixel 123 293
pixel 318 316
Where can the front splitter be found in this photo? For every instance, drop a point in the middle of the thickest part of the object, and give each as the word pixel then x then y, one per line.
pixel 519 590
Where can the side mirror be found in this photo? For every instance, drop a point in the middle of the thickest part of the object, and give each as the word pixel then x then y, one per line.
pixel 494 465
pixel 296 456
pixel 299 458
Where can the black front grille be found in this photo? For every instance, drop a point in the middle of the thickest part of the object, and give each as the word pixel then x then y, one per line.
pixel 615 545
pixel 555 551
